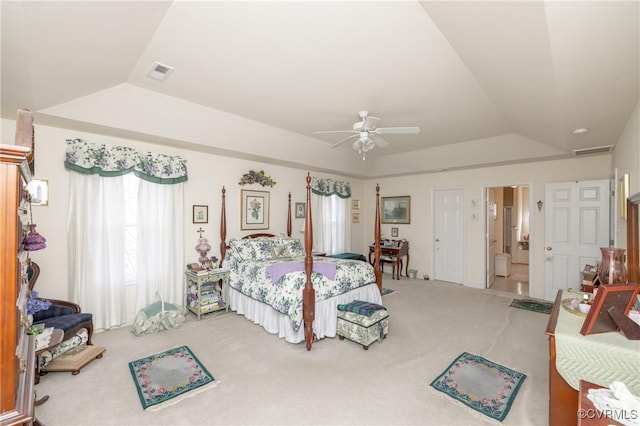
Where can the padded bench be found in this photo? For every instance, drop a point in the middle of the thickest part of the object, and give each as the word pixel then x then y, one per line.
pixel 364 326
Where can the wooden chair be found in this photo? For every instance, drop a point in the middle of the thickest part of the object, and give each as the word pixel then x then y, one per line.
pixel 396 258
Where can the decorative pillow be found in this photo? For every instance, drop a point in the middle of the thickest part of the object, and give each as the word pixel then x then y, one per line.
pixel 280 251
pixel 261 248
pixel 295 246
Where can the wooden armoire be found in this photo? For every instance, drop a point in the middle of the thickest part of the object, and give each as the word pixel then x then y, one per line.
pixel 17 348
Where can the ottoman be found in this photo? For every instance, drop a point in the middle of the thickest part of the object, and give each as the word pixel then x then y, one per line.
pixel 362 328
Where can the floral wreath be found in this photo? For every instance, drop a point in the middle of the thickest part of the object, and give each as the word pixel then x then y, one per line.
pixel 256 177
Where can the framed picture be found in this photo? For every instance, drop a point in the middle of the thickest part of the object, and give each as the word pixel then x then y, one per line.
pixel 254 210
pixel 355 204
pixel 394 232
pixel 620 297
pixel 396 209
pixel 300 210
pixel 623 194
pixel 39 192
pixel 355 217
pixel 200 214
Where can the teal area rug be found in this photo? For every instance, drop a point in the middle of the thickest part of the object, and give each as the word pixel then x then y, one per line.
pixel 168 377
pixel 480 384
pixel 532 305
pixel 386 291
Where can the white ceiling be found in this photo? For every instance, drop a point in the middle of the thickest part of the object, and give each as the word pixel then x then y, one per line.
pixel 488 82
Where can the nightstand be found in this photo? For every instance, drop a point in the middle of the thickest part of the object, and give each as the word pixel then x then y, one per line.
pixel 203 294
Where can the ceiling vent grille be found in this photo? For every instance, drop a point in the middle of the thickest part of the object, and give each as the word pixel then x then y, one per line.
pixel 593 150
pixel 159 71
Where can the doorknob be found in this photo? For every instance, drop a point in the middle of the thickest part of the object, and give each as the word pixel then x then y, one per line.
pixel 549 248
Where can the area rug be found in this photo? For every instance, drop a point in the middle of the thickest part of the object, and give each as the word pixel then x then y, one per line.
pixel 168 377
pixel 532 305
pixel 386 291
pixel 480 384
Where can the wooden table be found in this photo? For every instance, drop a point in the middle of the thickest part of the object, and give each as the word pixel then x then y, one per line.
pixel 393 250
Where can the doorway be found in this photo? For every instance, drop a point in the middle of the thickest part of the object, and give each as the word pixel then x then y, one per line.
pixel 508 231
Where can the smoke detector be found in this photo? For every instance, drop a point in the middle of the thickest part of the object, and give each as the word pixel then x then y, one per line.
pixel 159 71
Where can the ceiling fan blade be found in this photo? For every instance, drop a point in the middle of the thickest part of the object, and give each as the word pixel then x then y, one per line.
pixel 397 130
pixel 343 140
pixel 335 131
pixel 381 143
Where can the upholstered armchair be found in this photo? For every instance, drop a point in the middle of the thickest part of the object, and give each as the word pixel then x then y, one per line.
pixel 67 316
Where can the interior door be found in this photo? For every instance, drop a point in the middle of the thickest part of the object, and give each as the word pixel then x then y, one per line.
pixel 492 241
pixel 448 235
pixel 576 226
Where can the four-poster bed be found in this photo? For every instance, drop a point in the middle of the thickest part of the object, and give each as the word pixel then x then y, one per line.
pixel 278 283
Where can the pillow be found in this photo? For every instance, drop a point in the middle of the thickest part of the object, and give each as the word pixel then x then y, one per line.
pixel 260 248
pixel 280 251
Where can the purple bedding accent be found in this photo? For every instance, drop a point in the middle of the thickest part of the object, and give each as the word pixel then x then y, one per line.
pixel 277 270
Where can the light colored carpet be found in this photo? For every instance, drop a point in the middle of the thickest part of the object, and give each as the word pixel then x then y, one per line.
pixel 264 380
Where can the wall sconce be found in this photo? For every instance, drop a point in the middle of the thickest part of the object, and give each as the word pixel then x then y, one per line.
pixel 540 205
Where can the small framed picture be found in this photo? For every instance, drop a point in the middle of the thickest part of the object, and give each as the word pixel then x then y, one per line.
pixel 355 204
pixel 300 210
pixel 394 232
pixel 39 192
pixel 599 320
pixel 200 214
pixel 355 217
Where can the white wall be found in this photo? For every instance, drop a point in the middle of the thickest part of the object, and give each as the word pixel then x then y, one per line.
pixel 420 232
pixel 626 158
pixel 208 173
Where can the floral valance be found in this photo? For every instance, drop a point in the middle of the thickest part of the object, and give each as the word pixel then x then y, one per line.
pixel 88 158
pixel 328 187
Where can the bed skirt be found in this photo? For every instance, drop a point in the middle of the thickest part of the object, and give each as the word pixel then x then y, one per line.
pixel 326 316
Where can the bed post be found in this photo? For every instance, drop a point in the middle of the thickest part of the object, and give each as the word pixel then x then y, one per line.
pixel 308 294
pixel 376 244
pixel 223 229
pixel 289 218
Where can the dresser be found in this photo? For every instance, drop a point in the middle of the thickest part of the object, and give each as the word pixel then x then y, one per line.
pixel 17 348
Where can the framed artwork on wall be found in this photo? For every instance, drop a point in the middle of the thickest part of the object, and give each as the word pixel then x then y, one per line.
pixel 39 192
pixel 200 214
pixel 394 232
pixel 355 204
pixel 254 210
pixel 300 210
pixel 396 209
pixel 355 217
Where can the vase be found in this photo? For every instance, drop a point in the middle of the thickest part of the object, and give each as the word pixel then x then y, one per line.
pixel 611 269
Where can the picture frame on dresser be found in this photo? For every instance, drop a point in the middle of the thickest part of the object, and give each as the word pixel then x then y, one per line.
pixel 598 319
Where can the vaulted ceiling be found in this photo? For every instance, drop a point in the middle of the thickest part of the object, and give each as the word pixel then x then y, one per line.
pixel 487 82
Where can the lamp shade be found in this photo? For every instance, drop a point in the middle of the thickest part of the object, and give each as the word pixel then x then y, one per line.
pixel 203 248
pixel 34 241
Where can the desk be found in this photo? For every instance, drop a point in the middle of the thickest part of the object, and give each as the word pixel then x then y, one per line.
pixel 393 250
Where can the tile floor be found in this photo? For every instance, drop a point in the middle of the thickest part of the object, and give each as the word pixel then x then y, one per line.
pixel 516 283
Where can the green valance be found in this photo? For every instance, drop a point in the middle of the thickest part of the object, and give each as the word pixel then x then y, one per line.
pixel 328 187
pixel 88 158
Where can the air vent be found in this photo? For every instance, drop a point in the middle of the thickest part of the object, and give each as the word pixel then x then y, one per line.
pixel 159 71
pixel 593 150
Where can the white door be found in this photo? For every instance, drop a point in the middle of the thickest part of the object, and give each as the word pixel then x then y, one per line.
pixel 448 235
pixel 492 241
pixel 576 226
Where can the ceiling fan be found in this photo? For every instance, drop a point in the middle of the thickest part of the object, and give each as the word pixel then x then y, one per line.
pixel 367 133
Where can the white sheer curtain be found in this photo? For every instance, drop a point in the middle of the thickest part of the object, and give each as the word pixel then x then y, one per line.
pixel 330 216
pixel 97 228
pixel 96 248
pixel 160 243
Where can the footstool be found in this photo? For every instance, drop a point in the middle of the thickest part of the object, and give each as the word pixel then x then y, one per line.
pixel 362 326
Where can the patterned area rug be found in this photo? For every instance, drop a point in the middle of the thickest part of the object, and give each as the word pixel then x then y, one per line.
pixel 168 377
pixel 386 291
pixel 532 305
pixel 480 384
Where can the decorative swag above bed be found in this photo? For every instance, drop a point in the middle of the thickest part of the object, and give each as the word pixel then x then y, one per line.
pixel 88 158
pixel 329 187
